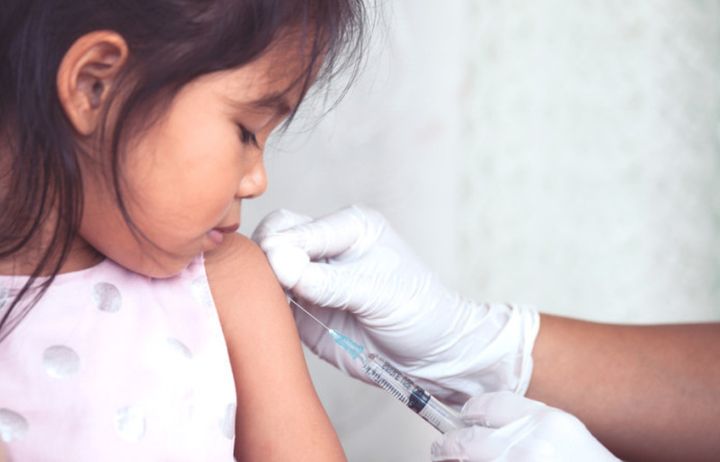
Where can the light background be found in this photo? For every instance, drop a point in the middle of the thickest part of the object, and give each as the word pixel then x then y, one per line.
pixel 553 152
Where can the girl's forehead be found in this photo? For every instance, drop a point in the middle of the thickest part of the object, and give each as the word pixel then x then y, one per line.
pixel 273 80
pixel 248 90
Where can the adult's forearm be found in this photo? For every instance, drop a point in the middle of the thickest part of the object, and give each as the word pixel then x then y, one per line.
pixel 646 392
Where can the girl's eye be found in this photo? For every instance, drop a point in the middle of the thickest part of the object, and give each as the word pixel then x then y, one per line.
pixel 246 136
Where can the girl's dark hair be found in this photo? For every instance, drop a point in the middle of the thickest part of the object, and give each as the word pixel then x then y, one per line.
pixel 171 42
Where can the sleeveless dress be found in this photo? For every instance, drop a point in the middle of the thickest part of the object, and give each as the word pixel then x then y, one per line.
pixel 112 365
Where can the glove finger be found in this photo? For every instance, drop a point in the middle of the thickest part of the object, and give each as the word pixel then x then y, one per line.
pixel 471 444
pixel 275 222
pixel 498 409
pixel 324 285
pixel 327 284
pixel 331 286
pixel 334 236
pixel 288 263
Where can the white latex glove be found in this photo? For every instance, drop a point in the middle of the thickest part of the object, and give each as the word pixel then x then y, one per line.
pixel 353 272
pixel 523 430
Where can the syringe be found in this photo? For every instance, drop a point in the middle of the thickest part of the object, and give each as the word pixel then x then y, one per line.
pixel 399 385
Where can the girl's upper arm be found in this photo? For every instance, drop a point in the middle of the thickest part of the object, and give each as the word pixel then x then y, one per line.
pixel 279 416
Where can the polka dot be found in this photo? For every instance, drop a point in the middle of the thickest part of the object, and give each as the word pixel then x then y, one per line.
pixel 227 422
pixel 170 357
pixel 60 361
pixel 201 292
pixel 178 347
pixel 107 297
pixel 13 426
pixel 130 423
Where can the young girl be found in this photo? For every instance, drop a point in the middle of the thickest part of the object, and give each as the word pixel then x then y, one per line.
pixel 134 323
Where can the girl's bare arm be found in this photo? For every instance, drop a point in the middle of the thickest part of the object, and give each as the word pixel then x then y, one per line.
pixel 279 416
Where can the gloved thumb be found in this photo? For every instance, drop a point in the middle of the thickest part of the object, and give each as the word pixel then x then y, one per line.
pixel 471 444
pixel 339 235
pixel 498 409
pixel 288 262
pixel 276 222
pixel 498 420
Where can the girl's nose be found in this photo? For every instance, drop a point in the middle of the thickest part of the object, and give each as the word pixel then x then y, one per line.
pixel 254 182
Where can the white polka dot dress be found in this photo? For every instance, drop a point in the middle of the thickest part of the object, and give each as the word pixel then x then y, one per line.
pixel 111 365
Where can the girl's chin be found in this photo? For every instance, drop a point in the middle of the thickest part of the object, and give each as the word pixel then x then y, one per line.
pixel 216 237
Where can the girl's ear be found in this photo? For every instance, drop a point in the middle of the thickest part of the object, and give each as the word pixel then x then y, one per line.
pixel 86 74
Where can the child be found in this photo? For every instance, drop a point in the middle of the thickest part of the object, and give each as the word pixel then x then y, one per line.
pixel 134 323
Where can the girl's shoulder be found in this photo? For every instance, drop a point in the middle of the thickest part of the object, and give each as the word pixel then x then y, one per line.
pixel 241 281
pixel 236 253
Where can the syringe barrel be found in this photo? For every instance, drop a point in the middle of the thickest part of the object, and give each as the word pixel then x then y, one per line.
pixel 415 397
pixel 401 387
pixel 443 418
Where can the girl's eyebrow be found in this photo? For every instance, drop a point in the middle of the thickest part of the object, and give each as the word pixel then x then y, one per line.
pixel 276 102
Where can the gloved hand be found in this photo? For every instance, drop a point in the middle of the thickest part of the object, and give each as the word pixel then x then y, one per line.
pixel 523 430
pixel 353 272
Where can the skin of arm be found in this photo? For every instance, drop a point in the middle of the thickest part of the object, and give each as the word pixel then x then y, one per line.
pixel 646 392
pixel 279 416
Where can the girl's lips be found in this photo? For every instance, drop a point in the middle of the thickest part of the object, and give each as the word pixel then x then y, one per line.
pixel 227 229
pixel 217 234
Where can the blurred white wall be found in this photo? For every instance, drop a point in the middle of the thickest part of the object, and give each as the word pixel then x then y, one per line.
pixel 565 154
